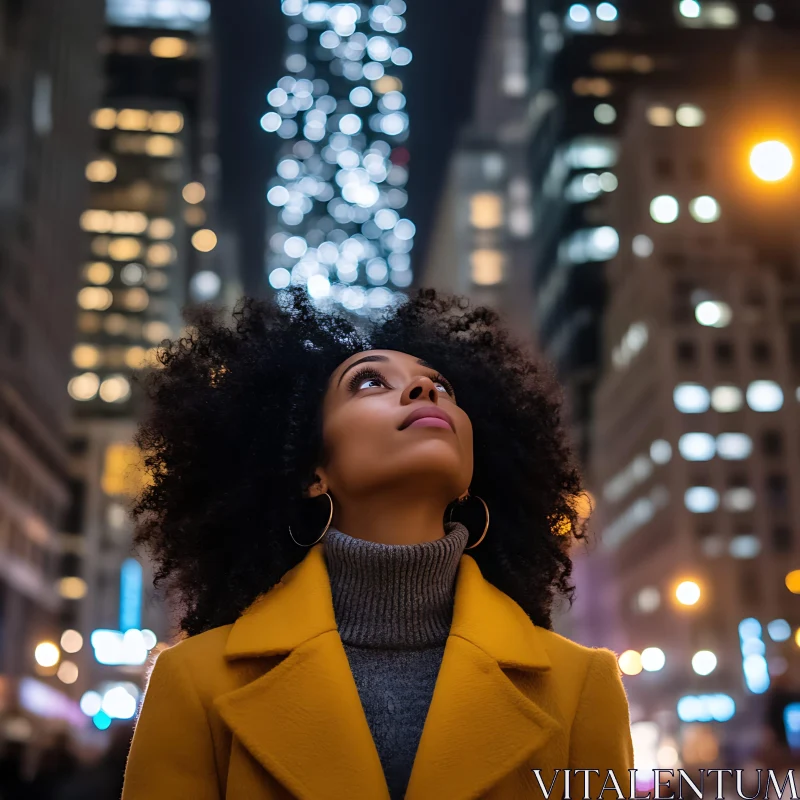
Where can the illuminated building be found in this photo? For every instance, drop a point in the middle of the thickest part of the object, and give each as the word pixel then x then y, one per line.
pixel 336 221
pixel 48 86
pixel 481 240
pixel 152 246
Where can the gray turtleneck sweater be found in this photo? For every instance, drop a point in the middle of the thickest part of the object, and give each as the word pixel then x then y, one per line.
pixel 393 606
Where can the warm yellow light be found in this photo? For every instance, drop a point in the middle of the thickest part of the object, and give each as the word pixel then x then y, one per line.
pixel 156 332
pixel 85 356
pixel 46 654
pixel 797 637
pixel 116 324
pixel 124 249
pixel 793 581
pixel 83 387
pixel 96 220
pixel 583 505
pixel 194 192
pixel 388 83
pixel 487 267
pixel 133 119
pixel 160 146
pixel 72 588
pixel 687 593
pixel 71 641
pixel 156 281
pixel 128 222
pixel 104 118
pixel 95 298
pixel 771 161
pixel 161 254
pixel 101 171
pixel 630 662
pixel 166 122
pixel 486 210
pixel 67 672
pixel 135 357
pixel 115 389
pixel 123 471
pixel 98 272
pixel 660 116
pixel 168 47
pixel 204 240
pixel 161 228
pixel 136 299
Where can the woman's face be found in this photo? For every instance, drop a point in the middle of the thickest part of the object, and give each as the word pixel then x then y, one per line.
pixel 371 445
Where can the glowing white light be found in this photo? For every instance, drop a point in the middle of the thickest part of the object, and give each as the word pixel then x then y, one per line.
pixel 350 124
pixel 701 499
pixel 378 48
pixel 319 286
pixel 205 285
pixel 744 546
pixel 704 209
pixel 405 229
pixel 608 181
pixel 690 9
pixel 386 219
pixel 771 161
pixel 697 446
pixel 713 313
pixel 734 446
pixel 742 498
pixel 661 451
pixel 277 97
pixel 295 247
pixel 280 278
pixel 118 703
pixel 664 209
pixel 361 96
pixel 393 124
pixel 579 13
pixel 653 659
pixel 704 662
pixel 605 113
pixel 642 246
pixel 401 56
pixel 271 121
pixel 690 116
pixel 779 630
pixel 764 12
pixel 726 399
pixel 278 196
pixel 91 703
pixel 606 12
pixel 764 396
pixel 393 101
pixel 691 398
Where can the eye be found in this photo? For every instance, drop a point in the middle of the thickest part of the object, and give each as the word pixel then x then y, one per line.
pixel 444 383
pixel 365 375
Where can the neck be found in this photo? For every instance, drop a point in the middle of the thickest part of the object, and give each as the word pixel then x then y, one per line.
pixel 391 520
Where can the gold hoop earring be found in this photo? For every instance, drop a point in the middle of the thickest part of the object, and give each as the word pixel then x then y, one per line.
pixel 486 509
pixel 330 517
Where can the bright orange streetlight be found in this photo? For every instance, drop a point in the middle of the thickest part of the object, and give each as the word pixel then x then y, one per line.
pixel 771 161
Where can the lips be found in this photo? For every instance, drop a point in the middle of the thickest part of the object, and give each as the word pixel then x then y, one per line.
pixel 427 411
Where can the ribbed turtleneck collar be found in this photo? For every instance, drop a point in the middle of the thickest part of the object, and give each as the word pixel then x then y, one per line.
pixel 394 596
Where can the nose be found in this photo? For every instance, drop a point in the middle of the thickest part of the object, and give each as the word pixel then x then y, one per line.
pixel 420 387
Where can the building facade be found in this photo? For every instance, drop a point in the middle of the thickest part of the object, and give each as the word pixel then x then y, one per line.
pixel 49 84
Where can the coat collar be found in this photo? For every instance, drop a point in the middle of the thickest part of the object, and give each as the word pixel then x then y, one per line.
pixel 303 719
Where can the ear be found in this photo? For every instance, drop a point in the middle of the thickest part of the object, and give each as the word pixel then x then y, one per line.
pixel 320 485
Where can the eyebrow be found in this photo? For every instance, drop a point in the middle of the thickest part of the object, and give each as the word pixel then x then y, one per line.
pixel 420 361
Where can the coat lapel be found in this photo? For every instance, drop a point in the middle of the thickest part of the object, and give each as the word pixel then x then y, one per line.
pixel 303 720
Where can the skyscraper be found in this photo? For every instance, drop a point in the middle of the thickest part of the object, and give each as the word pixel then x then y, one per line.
pixel 336 222
pixel 151 249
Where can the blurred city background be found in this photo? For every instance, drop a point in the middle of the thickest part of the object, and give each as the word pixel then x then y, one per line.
pixel 620 179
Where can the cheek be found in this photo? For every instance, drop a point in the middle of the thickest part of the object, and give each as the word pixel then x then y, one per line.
pixel 352 434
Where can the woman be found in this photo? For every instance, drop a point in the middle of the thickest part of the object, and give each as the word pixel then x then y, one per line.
pixel 407 651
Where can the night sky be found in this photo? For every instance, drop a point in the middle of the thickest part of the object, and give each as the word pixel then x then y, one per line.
pixel 443 37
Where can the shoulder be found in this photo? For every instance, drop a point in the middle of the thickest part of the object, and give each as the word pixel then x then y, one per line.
pixel 576 661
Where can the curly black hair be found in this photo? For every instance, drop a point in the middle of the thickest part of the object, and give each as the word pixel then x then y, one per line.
pixel 234 431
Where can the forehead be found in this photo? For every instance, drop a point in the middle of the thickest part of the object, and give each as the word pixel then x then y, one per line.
pixel 392 355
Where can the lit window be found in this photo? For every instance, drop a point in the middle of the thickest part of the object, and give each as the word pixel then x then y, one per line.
pixel 701 499
pixel 696 446
pixel 734 446
pixel 605 114
pixel 642 246
pixel 487 267
pixel 592 244
pixel 96 220
pixel 691 398
pixel 133 119
pixel 124 249
pixel 132 274
pixel 85 356
pixel 101 171
pixel 194 192
pixel 764 396
pixel 713 313
pixel 606 12
pixel 95 298
pixel 689 9
pixel 586 152
pixel 83 387
pixel 98 272
pixel 661 451
pixel 742 498
pixel 166 122
pixel 660 116
pixel 205 285
pixel 764 12
pixel 690 116
pixel 115 389
pixel 161 228
pixel 486 210
pixel 726 399
pixel 136 299
pixel 598 87
pixel 160 146
pixel 664 209
pixel 104 118
pixel 579 17
pixel 168 47
pixel 704 209
pixel 721 14
pixel 647 600
pixel 161 254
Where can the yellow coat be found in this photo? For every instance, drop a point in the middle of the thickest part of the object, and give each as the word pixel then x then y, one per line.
pixel 267 708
